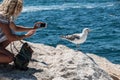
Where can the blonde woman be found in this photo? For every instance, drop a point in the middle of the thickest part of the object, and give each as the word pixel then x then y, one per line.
pixel 9 10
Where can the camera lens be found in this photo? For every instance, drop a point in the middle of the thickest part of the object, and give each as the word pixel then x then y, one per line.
pixel 43 24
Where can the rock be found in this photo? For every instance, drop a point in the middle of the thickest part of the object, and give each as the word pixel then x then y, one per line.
pixel 60 63
pixel 112 69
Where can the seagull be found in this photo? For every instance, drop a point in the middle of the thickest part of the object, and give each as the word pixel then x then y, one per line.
pixel 77 38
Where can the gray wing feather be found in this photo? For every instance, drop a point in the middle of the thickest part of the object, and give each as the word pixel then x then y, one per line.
pixel 71 37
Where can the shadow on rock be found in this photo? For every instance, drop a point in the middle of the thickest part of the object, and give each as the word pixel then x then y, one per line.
pixel 7 72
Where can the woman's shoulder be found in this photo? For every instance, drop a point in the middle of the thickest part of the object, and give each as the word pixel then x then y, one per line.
pixel 3 20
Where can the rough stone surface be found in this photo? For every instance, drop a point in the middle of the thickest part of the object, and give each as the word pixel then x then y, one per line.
pixel 112 69
pixel 60 63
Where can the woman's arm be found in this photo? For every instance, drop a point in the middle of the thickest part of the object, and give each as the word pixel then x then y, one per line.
pixel 12 37
pixel 19 28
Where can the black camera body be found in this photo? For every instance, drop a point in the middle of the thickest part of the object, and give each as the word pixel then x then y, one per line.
pixel 41 25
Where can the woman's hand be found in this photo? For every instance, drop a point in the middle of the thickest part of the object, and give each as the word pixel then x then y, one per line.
pixel 30 33
pixel 36 25
pixel 39 25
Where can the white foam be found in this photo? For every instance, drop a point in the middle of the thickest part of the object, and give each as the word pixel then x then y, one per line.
pixel 68 6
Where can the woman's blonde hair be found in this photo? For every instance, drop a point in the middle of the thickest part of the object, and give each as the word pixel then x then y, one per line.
pixel 11 8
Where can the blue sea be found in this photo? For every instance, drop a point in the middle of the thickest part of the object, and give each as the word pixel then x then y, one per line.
pixel 71 16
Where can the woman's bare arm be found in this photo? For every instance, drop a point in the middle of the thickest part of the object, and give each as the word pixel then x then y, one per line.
pixel 12 37
pixel 19 28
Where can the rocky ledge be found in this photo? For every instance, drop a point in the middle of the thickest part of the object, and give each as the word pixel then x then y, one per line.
pixel 61 63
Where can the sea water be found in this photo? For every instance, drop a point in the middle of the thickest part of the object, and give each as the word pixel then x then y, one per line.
pixel 71 16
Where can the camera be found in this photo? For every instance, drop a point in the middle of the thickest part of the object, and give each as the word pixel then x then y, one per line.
pixel 41 25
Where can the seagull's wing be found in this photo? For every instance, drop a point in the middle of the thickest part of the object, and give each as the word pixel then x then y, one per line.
pixel 71 37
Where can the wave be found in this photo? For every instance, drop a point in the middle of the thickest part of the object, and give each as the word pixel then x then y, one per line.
pixel 68 6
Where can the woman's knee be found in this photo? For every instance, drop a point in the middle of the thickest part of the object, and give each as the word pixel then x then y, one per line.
pixel 6 58
pixel 4 43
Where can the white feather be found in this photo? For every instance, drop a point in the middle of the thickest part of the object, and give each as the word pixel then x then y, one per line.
pixel 77 38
